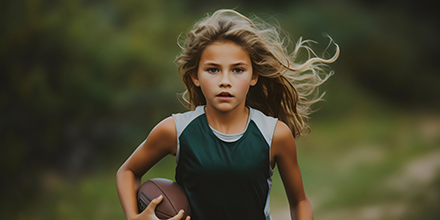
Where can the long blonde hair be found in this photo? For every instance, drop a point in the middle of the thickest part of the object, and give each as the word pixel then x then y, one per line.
pixel 284 90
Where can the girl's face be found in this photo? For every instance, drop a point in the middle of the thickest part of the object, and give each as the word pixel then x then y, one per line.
pixel 225 75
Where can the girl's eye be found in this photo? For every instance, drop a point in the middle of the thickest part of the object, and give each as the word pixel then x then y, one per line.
pixel 212 70
pixel 238 70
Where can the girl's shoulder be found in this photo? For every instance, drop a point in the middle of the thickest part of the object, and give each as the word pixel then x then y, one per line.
pixel 282 131
pixel 161 138
pixel 279 128
pixel 189 114
pixel 265 123
pixel 283 140
pixel 164 129
pixel 181 120
pixel 257 115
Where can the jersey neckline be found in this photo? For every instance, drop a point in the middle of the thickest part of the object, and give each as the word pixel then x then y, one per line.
pixel 228 137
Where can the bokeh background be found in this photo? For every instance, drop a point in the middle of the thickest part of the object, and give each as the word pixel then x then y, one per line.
pixel 83 82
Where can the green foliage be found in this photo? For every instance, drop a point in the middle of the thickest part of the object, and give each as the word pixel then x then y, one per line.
pixel 83 82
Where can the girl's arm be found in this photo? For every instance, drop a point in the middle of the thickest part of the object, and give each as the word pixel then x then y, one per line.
pixel 284 154
pixel 161 141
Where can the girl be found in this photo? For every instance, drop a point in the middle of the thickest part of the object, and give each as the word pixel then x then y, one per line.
pixel 249 102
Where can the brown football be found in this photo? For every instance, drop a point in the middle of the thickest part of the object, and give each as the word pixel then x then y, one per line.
pixel 174 197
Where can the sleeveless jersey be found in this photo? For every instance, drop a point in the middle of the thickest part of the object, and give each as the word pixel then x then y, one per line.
pixel 225 176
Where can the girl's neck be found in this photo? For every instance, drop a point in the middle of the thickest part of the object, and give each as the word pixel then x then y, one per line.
pixel 231 122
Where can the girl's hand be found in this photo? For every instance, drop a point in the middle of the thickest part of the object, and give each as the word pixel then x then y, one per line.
pixel 148 213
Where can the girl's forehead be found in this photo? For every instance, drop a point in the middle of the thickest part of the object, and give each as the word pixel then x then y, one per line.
pixel 224 51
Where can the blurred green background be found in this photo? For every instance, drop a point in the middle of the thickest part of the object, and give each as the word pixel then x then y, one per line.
pixel 83 83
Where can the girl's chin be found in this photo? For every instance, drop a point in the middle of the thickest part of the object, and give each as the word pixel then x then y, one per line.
pixel 225 106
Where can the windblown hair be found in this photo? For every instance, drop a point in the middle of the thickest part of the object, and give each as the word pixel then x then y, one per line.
pixel 284 90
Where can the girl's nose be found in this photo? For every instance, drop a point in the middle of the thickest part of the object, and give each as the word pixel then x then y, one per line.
pixel 224 82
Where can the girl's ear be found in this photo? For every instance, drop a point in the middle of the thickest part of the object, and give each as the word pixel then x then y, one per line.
pixel 254 79
pixel 195 78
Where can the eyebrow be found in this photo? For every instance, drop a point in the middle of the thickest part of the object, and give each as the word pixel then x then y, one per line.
pixel 209 63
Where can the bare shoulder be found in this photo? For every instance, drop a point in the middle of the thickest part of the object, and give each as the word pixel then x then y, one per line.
pixel 283 141
pixel 164 135
pixel 166 127
pixel 282 131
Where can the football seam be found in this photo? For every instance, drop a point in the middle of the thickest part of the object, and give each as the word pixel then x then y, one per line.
pixel 165 196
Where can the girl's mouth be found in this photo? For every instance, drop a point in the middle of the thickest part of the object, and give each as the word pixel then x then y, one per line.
pixel 224 96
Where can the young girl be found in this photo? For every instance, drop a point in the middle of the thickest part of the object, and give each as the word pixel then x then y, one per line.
pixel 249 102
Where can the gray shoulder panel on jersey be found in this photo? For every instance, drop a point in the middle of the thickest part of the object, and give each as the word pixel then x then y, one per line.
pixel 266 124
pixel 182 120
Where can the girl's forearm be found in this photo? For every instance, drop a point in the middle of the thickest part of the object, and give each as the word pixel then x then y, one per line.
pixel 301 210
pixel 127 183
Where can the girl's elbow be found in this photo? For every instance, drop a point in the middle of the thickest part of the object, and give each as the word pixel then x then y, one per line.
pixel 120 172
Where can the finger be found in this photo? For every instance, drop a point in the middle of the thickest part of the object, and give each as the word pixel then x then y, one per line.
pixel 154 203
pixel 178 216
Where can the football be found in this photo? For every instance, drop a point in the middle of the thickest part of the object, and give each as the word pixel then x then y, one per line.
pixel 174 198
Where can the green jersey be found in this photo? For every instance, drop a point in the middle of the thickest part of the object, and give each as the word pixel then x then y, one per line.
pixel 225 176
